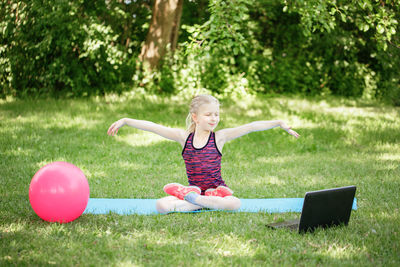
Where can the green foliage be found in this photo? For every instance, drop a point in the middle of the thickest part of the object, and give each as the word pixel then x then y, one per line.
pixel 320 15
pixel 311 47
pixel 316 47
pixel 215 46
pixel 71 48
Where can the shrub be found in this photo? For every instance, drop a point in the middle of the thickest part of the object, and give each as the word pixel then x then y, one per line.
pixel 63 48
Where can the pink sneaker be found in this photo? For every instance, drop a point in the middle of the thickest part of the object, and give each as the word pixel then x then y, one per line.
pixel 220 191
pixel 180 191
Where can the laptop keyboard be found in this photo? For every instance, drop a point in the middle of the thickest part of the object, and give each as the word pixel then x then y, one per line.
pixel 292 224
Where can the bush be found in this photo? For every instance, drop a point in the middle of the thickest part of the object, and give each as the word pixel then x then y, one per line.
pixel 288 48
pixel 78 48
pixel 68 48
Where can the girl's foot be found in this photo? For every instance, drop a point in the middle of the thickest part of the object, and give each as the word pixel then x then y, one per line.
pixel 220 191
pixel 191 197
pixel 180 191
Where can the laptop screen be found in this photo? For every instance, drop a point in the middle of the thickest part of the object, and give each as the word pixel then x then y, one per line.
pixel 325 208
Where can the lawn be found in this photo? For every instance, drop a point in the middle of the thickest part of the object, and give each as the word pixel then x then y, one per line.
pixel 343 142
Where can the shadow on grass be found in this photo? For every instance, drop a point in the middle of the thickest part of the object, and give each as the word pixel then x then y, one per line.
pixel 156 240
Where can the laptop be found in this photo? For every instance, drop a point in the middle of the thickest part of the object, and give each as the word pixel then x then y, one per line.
pixel 323 208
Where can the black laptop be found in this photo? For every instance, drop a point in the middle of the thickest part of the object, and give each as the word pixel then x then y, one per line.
pixel 323 208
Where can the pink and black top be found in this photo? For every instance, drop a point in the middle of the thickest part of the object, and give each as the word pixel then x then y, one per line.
pixel 203 165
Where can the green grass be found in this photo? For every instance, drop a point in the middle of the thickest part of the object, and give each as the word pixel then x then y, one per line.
pixel 343 142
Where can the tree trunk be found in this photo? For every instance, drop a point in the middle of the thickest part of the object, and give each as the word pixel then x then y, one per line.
pixel 163 30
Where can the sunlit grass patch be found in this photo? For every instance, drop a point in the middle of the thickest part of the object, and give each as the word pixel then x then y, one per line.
pixel 141 139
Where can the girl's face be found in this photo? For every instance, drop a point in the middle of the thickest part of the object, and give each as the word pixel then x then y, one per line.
pixel 207 117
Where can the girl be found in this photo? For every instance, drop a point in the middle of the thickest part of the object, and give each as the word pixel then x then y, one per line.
pixel 201 152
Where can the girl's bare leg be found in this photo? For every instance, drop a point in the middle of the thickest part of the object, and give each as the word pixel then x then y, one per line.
pixel 171 204
pixel 219 203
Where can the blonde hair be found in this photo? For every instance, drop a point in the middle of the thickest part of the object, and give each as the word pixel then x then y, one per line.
pixel 197 101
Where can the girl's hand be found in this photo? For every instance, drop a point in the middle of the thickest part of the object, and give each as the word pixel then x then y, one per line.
pixel 113 130
pixel 288 129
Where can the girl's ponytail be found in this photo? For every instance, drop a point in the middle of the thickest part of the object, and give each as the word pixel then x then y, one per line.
pixel 190 124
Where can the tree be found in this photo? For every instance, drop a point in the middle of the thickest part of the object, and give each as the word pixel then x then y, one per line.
pixel 163 31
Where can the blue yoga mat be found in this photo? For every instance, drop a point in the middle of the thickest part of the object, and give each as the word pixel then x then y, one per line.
pixel 148 206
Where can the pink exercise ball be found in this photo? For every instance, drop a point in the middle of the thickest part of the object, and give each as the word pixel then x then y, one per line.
pixel 59 192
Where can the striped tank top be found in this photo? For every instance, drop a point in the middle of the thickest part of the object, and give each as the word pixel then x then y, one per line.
pixel 203 165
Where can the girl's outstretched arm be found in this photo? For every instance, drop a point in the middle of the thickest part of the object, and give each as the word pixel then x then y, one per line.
pixel 174 134
pixel 228 134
